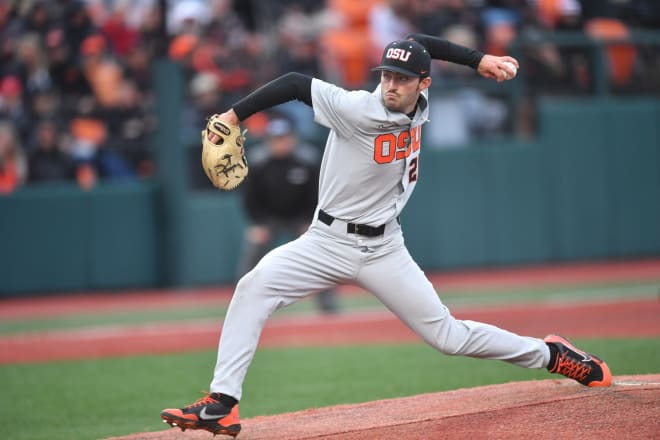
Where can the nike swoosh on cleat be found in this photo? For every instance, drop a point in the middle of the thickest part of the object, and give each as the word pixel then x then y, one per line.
pixel 204 416
pixel 586 357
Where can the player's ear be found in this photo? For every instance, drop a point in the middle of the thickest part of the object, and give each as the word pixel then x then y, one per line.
pixel 424 83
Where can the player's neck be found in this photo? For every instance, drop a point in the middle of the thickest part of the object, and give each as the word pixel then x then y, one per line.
pixel 411 114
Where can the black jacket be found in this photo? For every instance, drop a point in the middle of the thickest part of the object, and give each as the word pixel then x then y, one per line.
pixel 281 189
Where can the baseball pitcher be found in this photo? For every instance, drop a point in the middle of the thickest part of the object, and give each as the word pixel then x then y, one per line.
pixel 371 164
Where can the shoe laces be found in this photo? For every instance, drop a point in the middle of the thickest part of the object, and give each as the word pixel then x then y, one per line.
pixel 204 400
pixel 572 368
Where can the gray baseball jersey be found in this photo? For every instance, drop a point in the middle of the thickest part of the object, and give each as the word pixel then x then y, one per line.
pixel 371 160
pixel 369 169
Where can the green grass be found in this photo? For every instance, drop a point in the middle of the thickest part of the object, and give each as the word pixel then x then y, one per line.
pixel 100 398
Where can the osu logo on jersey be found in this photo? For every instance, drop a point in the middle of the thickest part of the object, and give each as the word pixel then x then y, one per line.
pixel 389 146
pixel 397 54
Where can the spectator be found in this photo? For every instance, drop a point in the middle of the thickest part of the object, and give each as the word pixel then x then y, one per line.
pixel 137 67
pixel 70 58
pixel 205 96
pixel 78 25
pixel 148 21
pixel 32 64
pixel 65 71
pixel 13 167
pixel 12 107
pixel 102 70
pixel 500 29
pixel 389 21
pixel 10 29
pixel 130 125
pixel 115 28
pixel 45 105
pixel 435 16
pixel 229 51
pixel 297 42
pixel 38 19
pixel 181 50
pixel 48 162
pixel 280 196
pixel 93 153
pixel 187 17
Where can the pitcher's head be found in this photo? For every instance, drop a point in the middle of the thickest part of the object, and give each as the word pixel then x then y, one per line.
pixel 404 68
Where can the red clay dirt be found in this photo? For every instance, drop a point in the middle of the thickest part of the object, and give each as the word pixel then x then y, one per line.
pixel 547 409
pixel 620 319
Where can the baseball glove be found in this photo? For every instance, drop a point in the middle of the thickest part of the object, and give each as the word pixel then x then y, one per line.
pixel 224 160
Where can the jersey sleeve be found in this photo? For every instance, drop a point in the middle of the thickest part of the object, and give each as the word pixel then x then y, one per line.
pixel 339 109
pixel 442 49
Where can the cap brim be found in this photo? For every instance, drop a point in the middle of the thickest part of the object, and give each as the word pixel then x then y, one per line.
pixel 397 70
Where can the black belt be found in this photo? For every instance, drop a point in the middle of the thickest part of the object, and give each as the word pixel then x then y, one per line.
pixel 352 228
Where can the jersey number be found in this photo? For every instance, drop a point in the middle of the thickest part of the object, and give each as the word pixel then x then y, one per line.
pixel 412 171
pixel 389 147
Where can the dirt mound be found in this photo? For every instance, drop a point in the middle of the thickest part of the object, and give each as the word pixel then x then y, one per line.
pixel 545 409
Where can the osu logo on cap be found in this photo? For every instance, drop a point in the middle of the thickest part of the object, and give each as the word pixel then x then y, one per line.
pixel 397 54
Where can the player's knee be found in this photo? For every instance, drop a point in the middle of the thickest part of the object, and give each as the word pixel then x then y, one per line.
pixel 449 350
pixel 243 282
pixel 255 282
pixel 248 283
pixel 445 346
pixel 449 336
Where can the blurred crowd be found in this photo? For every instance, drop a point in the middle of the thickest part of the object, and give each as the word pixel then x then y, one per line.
pixel 76 99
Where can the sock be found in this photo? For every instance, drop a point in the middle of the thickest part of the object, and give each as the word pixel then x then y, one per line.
pixel 227 401
pixel 553 355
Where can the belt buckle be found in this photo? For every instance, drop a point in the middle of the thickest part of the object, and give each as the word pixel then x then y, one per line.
pixel 357 229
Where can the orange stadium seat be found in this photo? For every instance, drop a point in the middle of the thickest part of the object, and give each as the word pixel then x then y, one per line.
pixel 549 11
pixel 346 50
pixel 356 12
pixel 621 57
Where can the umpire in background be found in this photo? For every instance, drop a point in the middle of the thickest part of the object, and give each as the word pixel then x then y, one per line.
pixel 280 196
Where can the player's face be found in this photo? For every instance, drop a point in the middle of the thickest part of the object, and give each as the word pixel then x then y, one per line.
pixel 282 146
pixel 400 92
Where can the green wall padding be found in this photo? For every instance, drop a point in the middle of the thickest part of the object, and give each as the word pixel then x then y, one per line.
pixel 604 159
pixel 124 245
pixel 213 238
pixel 518 220
pixel 44 236
pixel 574 142
pixel 633 152
pixel 62 238
pixel 442 222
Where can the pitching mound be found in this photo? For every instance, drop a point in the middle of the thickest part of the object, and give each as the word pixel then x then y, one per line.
pixel 545 409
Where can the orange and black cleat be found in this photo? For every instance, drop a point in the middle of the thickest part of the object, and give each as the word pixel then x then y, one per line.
pixel 576 364
pixel 206 413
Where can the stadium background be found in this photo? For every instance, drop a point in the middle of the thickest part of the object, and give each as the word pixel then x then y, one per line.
pixel 557 169
pixel 563 168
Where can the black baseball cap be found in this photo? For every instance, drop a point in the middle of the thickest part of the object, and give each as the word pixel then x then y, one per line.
pixel 407 57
